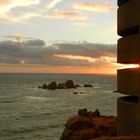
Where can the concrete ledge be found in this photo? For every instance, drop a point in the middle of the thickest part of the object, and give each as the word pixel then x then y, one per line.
pixel 128 81
pixel 128 50
pixel 128 14
pixel 128 111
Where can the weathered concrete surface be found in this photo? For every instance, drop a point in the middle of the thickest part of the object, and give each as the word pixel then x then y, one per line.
pixel 128 116
pixel 128 50
pixel 128 81
pixel 129 14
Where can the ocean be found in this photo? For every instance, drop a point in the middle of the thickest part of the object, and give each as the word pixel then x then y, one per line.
pixel 30 113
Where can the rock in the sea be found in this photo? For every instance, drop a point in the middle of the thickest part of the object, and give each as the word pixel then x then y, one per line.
pixel 52 86
pixel 44 86
pixel 82 112
pixel 77 85
pixel 61 86
pixel 69 84
pixel 39 87
pixel 75 92
pixel 87 85
pixel 89 127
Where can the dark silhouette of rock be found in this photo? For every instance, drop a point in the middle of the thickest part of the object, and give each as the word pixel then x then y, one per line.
pixel 82 112
pixel 61 86
pixel 44 86
pixel 75 93
pixel 39 87
pixel 77 85
pixel 52 86
pixel 69 84
pixel 89 127
pixel 96 113
pixel 115 91
pixel 87 85
pixel 78 123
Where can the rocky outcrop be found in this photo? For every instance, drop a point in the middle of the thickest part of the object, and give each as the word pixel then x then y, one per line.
pixel 61 86
pixel 52 85
pixel 44 86
pixel 77 85
pixel 87 85
pixel 69 84
pixel 78 92
pixel 89 125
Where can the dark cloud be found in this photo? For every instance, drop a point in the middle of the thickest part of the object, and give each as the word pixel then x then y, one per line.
pixel 35 43
pixel 87 49
pixel 36 52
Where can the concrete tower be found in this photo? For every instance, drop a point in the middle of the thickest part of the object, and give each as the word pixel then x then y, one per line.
pixel 129 79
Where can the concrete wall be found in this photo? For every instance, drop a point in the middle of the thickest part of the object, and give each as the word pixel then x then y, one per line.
pixel 128 81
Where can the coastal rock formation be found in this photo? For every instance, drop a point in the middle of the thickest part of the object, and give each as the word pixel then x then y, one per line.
pixel 44 86
pixel 78 92
pixel 89 125
pixel 52 85
pixel 87 85
pixel 77 85
pixel 69 84
pixel 61 86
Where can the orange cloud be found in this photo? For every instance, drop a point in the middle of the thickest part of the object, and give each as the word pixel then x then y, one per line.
pixel 77 57
pixel 71 15
pixel 91 6
pixel 5 2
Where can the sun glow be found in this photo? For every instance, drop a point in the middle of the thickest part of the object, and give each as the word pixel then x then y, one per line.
pixel 77 57
pixel 130 66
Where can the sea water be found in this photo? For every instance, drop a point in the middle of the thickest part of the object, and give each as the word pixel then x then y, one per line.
pixel 30 113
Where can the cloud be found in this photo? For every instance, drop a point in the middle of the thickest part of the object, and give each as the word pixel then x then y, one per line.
pixel 17 37
pixel 5 10
pixel 5 2
pixel 84 24
pixel 36 42
pixel 36 52
pixel 52 4
pixel 70 15
pixel 18 10
pixel 9 4
pixel 92 6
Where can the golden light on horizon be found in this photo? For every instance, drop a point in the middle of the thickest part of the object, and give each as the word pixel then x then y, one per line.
pixel 77 57
pixel 130 66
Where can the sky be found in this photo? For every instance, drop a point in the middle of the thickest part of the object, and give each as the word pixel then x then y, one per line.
pixel 58 36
